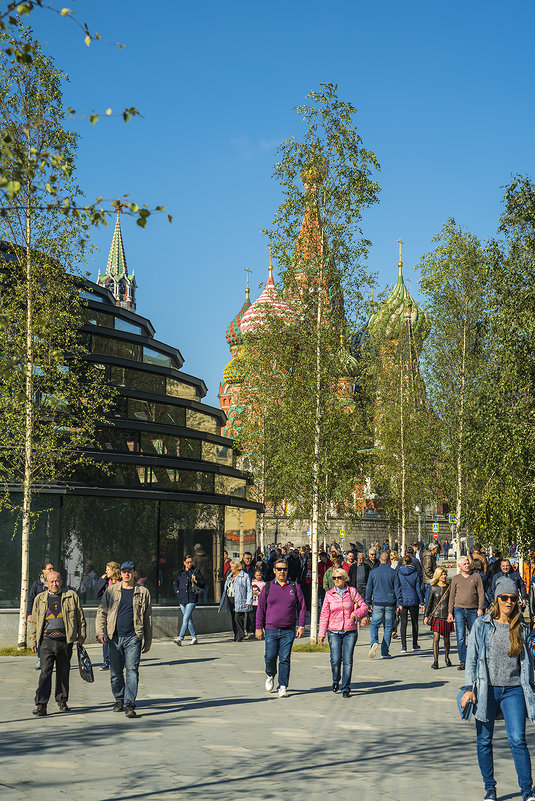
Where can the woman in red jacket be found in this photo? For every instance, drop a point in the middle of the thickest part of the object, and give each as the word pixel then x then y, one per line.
pixel 341 609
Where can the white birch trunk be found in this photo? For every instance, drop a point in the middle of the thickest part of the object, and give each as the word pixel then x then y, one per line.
pixel 462 392
pixel 28 438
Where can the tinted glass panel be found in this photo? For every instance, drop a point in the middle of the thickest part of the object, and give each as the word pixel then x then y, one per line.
pixel 151 356
pixel 91 296
pixel 178 389
pixel 116 347
pixel 202 422
pixel 97 318
pixel 117 439
pixel 229 485
pixel 220 454
pixel 124 325
pixel 100 530
pixel 190 448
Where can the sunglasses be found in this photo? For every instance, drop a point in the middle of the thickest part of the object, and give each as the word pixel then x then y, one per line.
pixel 281 568
pixel 505 598
pixel 338 577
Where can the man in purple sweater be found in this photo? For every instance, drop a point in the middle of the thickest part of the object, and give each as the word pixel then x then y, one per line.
pixel 279 604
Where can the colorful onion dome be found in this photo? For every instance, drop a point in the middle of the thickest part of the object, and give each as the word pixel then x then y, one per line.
pixel 235 371
pixel 269 303
pixel 233 333
pixel 392 316
pixel 347 365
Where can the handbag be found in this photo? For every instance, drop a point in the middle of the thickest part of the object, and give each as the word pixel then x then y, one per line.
pixel 466 711
pixel 197 590
pixel 84 664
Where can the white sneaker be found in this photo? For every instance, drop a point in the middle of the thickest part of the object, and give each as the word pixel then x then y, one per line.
pixel 194 641
pixel 373 649
pixel 177 640
pixel 283 692
pixel 270 680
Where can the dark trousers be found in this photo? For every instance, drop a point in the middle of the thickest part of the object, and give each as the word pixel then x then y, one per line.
pixel 405 611
pixel 250 621
pixel 239 619
pixel 232 616
pixel 59 652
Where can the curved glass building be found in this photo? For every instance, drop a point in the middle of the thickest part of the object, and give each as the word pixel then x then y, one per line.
pixel 170 486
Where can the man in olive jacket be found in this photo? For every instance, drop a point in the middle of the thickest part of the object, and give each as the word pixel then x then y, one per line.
pixel 429 565
pixel 57 622
pixel 125 618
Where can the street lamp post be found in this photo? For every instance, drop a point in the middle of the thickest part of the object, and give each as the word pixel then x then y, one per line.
pixel 418 512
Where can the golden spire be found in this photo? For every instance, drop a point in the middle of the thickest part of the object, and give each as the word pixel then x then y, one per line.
pixel 400 263
pixel 247 270
pixel 270 264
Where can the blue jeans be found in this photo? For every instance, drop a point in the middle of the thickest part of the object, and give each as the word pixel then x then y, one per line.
pixel 125 654
pixel 187 620
pixel 513 706
pixel 342 647
pixel 382 614
pixel 279 644
pixel 463 618
pixel 427 588
pixel 105 652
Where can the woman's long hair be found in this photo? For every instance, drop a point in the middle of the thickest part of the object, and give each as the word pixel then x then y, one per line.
pixel 515 619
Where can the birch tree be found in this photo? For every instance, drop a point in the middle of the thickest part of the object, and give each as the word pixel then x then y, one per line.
pixel 453 277
pixel 326 180
pixel 50 403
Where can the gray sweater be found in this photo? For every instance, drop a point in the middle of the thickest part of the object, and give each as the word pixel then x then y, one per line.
pixel 504 670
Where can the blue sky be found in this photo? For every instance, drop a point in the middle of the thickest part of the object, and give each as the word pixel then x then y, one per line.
pixel 444 93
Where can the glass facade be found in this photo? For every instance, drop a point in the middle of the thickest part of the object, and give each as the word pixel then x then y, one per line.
pixel 139 502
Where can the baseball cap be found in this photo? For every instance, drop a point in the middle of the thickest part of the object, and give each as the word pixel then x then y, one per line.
pixel 128 565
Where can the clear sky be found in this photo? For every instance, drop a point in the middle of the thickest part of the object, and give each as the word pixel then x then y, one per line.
pixel 445 98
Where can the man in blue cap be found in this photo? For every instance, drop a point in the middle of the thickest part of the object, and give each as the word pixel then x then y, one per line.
pixel 125 616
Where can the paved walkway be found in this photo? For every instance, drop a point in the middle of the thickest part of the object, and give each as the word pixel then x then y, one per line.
pixel 207 729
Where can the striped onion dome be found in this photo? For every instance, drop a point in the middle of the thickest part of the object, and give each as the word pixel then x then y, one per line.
pixel 391 317
pixel 233 333
pixel 235 371
pixel 269 303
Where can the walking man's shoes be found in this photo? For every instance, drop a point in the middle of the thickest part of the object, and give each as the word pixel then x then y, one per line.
pixel 40 710
pixel 119 706
pixel 346 694
pixel 63 707
pixel 461 666
pixel 129 711
pixel 373 649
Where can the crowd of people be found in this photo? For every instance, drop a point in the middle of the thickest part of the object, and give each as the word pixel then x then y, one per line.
pixel 268 598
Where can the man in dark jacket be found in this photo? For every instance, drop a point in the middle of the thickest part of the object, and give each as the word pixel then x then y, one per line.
pixel 506 569
pixel 383 592
pixel 372 559
pixel 411 597
pixel 429 565
pixel 358 575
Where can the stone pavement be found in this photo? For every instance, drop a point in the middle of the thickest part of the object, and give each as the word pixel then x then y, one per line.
pixel 207 729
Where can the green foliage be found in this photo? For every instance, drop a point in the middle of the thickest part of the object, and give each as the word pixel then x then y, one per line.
pixel 506 419
pixel 454 279
pixel 300 428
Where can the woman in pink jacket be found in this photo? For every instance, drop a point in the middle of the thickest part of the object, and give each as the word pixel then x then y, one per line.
pixel 341 609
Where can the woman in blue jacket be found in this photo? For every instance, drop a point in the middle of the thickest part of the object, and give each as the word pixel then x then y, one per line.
pixel 237 598
pixel 411 597
pixel 499 675
pixel 188 584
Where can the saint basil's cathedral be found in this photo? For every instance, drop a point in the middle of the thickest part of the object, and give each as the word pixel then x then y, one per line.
pixel 399 318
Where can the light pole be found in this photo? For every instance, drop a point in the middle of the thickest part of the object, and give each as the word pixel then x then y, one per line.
pixel 418 512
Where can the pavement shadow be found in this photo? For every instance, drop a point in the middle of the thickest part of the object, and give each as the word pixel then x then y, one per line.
pixel 160 663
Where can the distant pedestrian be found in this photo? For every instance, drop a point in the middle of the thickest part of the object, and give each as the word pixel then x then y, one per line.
pixel 500 668
pixel 446 548
pixel 342 608
pixel 383 593
pixel 466 602
pixel 411 599
pixel 359 573
pixel 372 559
pixel 280 605
pixel 237 598
pixel 258 585
pixel 188 585
pixel 125 618
pixel 436 615
pixel 429 565
pixel 507 570
pixel 57 622
pixel 328 583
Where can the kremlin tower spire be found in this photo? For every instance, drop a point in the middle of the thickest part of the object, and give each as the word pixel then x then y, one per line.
pixel 116 278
